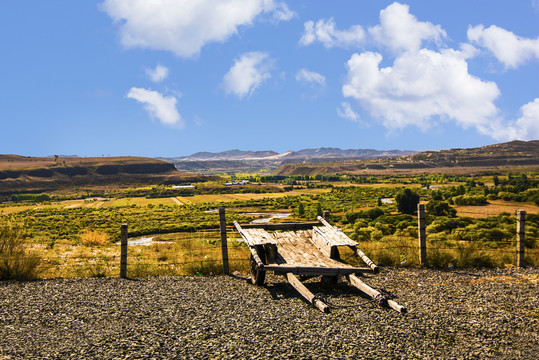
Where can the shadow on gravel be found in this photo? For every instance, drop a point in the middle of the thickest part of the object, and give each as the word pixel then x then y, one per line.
pixel 335 295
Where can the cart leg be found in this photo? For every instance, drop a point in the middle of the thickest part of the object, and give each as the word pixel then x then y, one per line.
pixel 354 280
pixel 309 296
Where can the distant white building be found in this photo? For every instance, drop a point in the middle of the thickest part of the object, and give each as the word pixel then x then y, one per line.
pixel 242 182
pixel 183 186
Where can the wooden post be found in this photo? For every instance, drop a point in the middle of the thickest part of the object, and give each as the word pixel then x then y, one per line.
pixel 422 234
pixel 123 252
pixel 224 245
pixel 521 237
pixel 325 215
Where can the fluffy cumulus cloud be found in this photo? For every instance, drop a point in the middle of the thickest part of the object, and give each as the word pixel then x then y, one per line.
pixel 423 86
pixel 249 71
pixel 420 87
pixel 185 26
pixel 158 74
pixel 524 128
pixel 310 77
pixel 158 106
pixel 401 31
pixel 508 48
pixel 325 31
pixel 398 30
pixel 346 112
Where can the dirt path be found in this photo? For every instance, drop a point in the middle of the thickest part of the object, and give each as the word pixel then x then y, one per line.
pixel 176 201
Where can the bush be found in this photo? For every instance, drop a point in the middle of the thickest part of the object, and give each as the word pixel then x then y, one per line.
pixel 407 201
pixel 470 256
pixel 94 238
pixel 440 208
pixel 470 200
pixel 15 262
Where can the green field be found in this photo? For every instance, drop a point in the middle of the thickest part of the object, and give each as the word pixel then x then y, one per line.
pixel 78 237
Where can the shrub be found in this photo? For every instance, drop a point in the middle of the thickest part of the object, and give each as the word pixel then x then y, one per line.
pixel 94 238
pixel 440 208
pixel 407 201
pixel 437 258
pixel 376 235
pixel 364 233
pixel 470 200
pixel 16 263
pixel 470 256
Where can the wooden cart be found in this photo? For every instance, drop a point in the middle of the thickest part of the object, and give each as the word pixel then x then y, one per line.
pixel 306 249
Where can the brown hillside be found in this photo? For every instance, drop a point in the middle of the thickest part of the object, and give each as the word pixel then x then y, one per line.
pixel 25 174
pixel 510 155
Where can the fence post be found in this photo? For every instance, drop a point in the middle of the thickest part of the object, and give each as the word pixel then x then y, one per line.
pixel 521 237
pixel 422 234
pixel 123 252
pixel 325 215
pixel 224 245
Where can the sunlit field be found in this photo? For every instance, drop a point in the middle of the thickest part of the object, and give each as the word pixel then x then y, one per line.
pixel 495 207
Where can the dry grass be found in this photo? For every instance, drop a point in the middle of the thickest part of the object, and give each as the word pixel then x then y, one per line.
pixel 173 254
pixel 495 207
pixel 94 238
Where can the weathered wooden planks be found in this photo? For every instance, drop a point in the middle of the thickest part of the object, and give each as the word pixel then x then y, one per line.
pixel 255 236
pixel 283 226
pixel 315 271
pixel 334 235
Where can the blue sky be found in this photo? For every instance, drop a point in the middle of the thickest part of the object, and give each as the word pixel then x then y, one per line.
pixel 174 77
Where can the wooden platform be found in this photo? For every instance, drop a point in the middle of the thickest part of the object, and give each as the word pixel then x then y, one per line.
pixel 295 251
pixel 308 249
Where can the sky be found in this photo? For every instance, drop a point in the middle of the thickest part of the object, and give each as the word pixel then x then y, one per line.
pixel 173 77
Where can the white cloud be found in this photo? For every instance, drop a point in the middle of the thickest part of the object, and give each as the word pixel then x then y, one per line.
pixel 400 31
pixel 281 12
pixel 507 47
pixel 185 26
pixel 247 74
pixel 158 106
pixel 311 77
pixel 524 128
pixel 346 112
pixel 421 87
pixel 158 74
pixel 325 32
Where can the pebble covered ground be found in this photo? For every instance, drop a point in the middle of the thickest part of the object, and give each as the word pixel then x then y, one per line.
pixel 457 314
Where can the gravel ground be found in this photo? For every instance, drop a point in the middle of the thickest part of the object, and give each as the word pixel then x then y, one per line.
pixel 451 315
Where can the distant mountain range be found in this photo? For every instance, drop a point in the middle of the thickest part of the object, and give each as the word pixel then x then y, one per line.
pixel 238 160
pixel 510 156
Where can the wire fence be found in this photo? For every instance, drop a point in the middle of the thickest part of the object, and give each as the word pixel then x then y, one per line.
pixel 442 253
pixel 196 253
pixel 199 253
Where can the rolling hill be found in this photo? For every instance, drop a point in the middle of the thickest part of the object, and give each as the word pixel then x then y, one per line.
pixel 510 155
pixel 35 174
